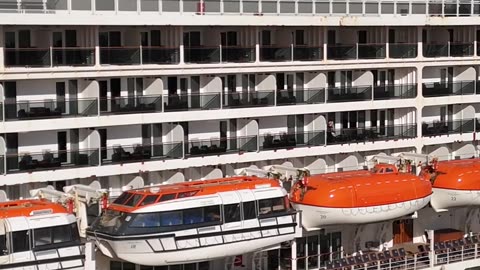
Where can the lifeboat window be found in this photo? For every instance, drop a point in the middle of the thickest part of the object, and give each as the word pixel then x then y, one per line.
pixel 55 235
pixel 147 220
pixel 149 199
pixel 212 213
pixel 171 218
pixel 249 210
pixel 232 212
pixel 192 216
pixel 3 245
pixel 267 206
pixel 20 241
pixel 167 197
pixel 133 200
pixel 187 194
pixel 122 198
pixel 388 170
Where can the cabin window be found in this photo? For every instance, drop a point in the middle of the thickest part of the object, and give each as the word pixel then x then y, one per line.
pixel 167 197
pixel 232 212
pixel 249 210
pixel 187 194
pixel 20 241
pixel 268 206
pixel 55 235
pixel 147 220
pixel 134 200
pixel 122 198
pixel 192 216
pixel 212 213
pixel 149 199
pixel 3 245
pixel 171 218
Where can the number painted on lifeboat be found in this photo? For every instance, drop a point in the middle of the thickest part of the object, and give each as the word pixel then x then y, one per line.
pixel 356 197
pixel 455 183
pixel 195 221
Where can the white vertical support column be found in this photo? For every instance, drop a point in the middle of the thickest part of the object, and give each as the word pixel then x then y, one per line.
pixel 90 262
pixel 419 107
pixel 420 42
pixel 179 31
pixel 2 47
pixel 93 6
pixel 115 7
pixel 257 45
pixel 387 43
pixel 96 41
pixel 294 254
pixel 325 42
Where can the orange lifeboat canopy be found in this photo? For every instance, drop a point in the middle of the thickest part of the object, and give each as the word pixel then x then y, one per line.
pixel 383 185
pixel 26 208
pixel 458 175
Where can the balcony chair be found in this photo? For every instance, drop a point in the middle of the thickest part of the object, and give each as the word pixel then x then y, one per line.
pixel 267 141
pixel 119 154
pixel 49 161
pixel 141 152
pixel 27 162
pixel 195 149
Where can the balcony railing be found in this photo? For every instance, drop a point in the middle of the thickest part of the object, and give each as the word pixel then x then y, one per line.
pixel 401 91
pixel 73 56
pixel 218 146
pixel 234 54
pixel 403 50
pixel 448 49
pixel 345 94
pixel 160 55
pixel 437 128
pixel 275 54
pixel 27 57
pixel 50 160
pixel 291 140
pixel 120 55
pixel 365 134
pixel 184 102
pixel 303 96
pixel 371 51
pixel 200 55
pixel 139 153
pixel 342 52
pixel 250 99
pixel 31 109
pixel 307 53
pixel 139 104
pixel 438 89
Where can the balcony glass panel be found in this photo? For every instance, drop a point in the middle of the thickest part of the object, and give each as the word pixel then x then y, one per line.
pixel 238 54
pixel 231 6
pixel 139 153
pixel 30 57
pixel 212 6
pixel 435 50
pixel 291 140
pixel 366 134
pixel 252 99
pixel 304 53
pixel 371 51
pixel 170 5
pixel 120 56
pixel 73 56
pixel 139 104
pixel 344 94
pixel 160 55
pixel 149 5
pixel 438 89
pixel 202 54
pixel 403 50
pixel 461 49
pixel 81 5
pixel 275 54
pixel 437 128
pixel 203 101
pixel 400 91
pixel 218 146
pixel 105 5
pixel 305 96
pixel 342 52
pixel 49 160
pixel 31 109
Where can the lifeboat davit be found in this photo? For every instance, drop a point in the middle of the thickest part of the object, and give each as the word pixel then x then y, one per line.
pixel 195 221
pixel 455 183
pixel 357 197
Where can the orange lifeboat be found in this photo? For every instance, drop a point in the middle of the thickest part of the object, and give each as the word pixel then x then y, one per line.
pixel 357 197
pixel 455 183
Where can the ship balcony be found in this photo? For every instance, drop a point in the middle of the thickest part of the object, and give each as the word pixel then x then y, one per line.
pixel 49 57
pixel 261 98
pixel 346 94
pixel 304 96
pixel 138 55
pixel 438 89
pixel 269 141
pixel 119 154
pixel 50 160
pixel 371 51
pixel 139 104
pixel 186 102
pixel 403 50
pixel 371 134
pixel 400 91
pixel 449 49
pixel 218 146
pixel 290 53
pixel 356 51
pixel 44 109
pixel 220 54
pixel 438 128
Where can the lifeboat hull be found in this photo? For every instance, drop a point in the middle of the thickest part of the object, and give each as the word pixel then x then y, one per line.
pixel 148 251
pixel 314 217
pixel 444 199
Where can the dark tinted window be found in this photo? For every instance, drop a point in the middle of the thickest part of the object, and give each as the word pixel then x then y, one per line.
pixel 42 236
pixel 3 245
pixel 171 218
pixel 149 199
pixel 133 201
pixel 20 241
pixel 55 235
pixel 267 206
pixel 187 194
pixel 232 212
pixel 167 197
pixel 192 216
pixel 147 220
pixel 212 213
pixel 249 210
pixel 122 198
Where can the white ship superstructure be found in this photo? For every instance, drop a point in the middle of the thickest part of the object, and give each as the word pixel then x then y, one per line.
pixel 172 90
